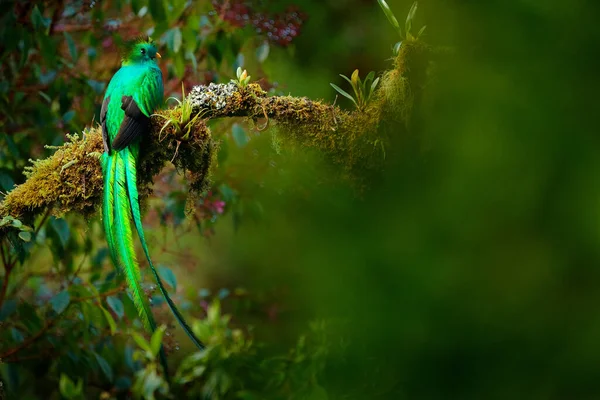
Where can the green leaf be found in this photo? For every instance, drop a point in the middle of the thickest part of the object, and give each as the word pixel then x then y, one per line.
pixel 61 227
pixel 176 8
pixel 156 339
pixel 421 31
pixel 262 52
pixel 104 366
pixel 38 20
pixel 173 39
pixel 111 321
pixel 68 389
pixel 71 45
pixel 168 276
pixel 354 78
pixel 8 307
pixel 354 87
pixel 141 342
pixel 25 236
pixel 16 223
pixel 239 135
pixel 373 86
pixel 390 15
pixel 68 116
pixel 397 47
pixel 17 336
pixel 157 10
pixel 370 76
pixel 27 42
pixel 60 301
pixel 45 97
pixel 6 182
pixel 96 85
pixel 116 305
pixel 344 93
pixel 411 13
pixel 6 220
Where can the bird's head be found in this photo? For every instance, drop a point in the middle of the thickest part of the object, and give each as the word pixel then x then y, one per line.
pixel 141 50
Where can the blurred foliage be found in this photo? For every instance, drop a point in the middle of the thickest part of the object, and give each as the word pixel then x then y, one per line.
pixel 468 270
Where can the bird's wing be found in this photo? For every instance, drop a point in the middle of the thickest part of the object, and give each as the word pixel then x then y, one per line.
pixel 138 108
pixel 134 124
pixel 105 138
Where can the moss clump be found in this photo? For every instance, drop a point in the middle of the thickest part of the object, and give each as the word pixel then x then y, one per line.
pixel 71 178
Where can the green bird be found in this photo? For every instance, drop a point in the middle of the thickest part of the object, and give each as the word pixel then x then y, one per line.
pixel 134 92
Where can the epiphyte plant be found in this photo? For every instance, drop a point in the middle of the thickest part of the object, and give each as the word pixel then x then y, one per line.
pixel 407 35
pixel 363 90
pixel 182 125
pixel 242 77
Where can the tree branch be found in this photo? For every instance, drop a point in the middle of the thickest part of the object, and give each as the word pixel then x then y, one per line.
pixel 71 179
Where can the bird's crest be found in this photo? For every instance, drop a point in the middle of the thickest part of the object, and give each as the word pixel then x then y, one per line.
pixel 130 45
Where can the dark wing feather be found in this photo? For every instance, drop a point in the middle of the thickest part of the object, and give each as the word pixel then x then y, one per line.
pixel 133 126
pixel 103 111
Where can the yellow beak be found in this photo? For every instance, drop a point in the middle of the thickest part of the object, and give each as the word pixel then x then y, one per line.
pixel 158 55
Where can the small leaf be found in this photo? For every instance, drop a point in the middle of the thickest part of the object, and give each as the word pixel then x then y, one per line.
pixel 262 52
pixel 344 93
pixel 6 220
pixel 156 339
pixel 173 39
pixel 62 229
pixel 397 47
pixel 373 86
pixel 157 10
pixel 421 31
pixel 111 321
pixel 37 19
pixel 104 366
pixel 25 236
pixel 239 135
pixel 16 223
pixel 116 305
pixel 355 79
pixel 17 335
pixel 411 13
pixel 141 342
pixel 7 309
pixel 168 276
pixel 60 301
pixel 45 97
pixel 71 45
pixel 66 386
pixel 390 15
pixel 68 116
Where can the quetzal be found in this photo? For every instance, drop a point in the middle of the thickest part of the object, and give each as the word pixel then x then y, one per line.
pixel 134 92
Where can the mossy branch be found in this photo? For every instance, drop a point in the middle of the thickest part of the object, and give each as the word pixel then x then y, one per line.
pixel 71 178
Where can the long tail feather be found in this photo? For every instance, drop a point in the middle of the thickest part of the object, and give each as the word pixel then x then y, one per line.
pixel 108 205
pixel 131 178
pixel 119 229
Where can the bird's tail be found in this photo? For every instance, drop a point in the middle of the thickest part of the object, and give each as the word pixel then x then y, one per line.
pixel 130 168
pixel 116 216
pixel 128 156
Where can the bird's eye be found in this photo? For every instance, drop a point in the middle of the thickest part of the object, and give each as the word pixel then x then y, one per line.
pixel 143 51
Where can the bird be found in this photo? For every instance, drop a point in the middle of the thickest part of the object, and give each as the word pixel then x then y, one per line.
pixel 134 92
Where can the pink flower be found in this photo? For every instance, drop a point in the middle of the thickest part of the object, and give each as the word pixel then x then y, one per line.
pixel 219 206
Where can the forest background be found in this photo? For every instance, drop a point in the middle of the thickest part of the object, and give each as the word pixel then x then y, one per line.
pixel 463 263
